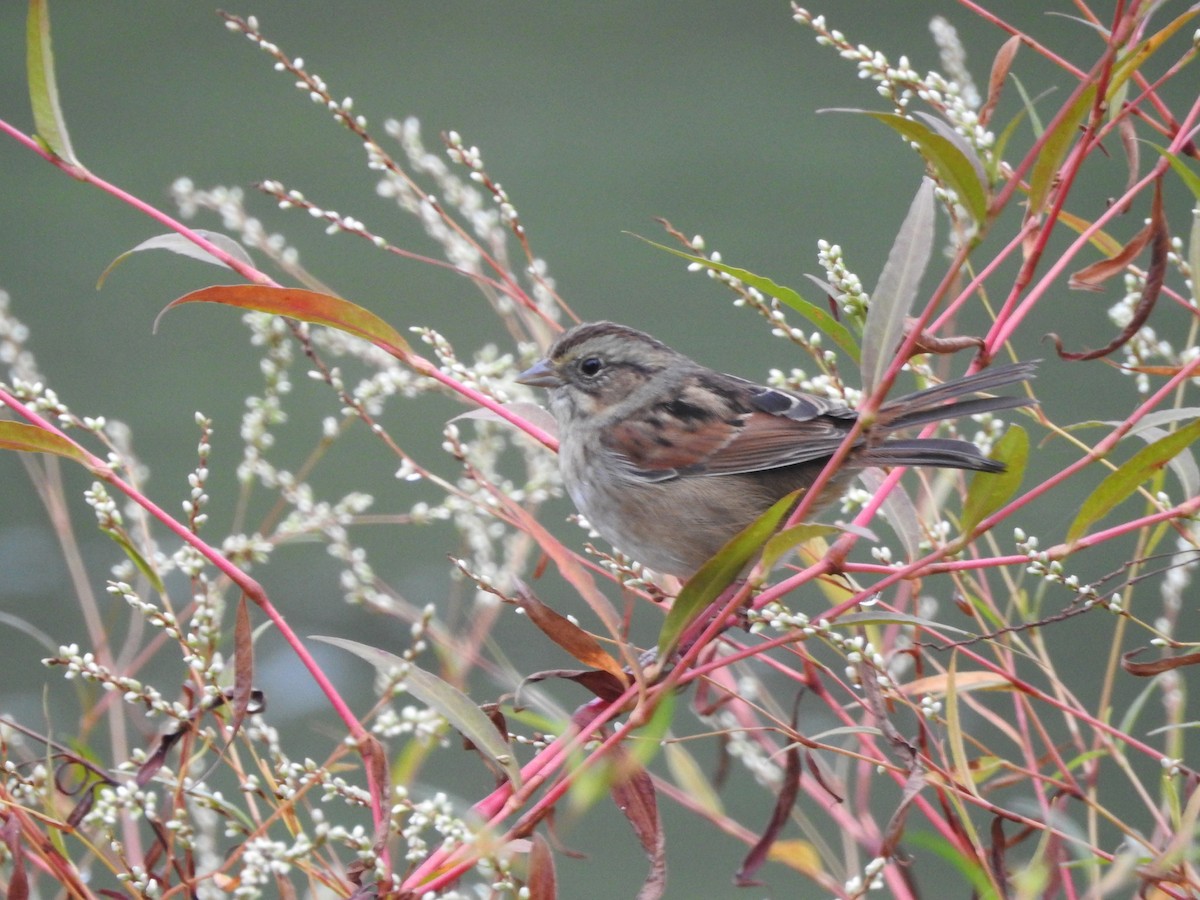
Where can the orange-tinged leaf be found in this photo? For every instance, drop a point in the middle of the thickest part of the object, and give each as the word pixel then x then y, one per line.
pixel 308 306
pixel 1000 69
pixel 568 635
pixel 939 685
pixel 1092 277
pixel 31 439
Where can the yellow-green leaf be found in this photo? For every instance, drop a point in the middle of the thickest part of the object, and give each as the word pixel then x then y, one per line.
pixel 785 540
pixel 1054 150
pixel 31 439
pixel 991 490
pixel 836 331
pixel 308 306
pixel 48 120
pixel 952 165
pixel 137 559
pixel 719 572
pixel 1119 485
pixel 1182 169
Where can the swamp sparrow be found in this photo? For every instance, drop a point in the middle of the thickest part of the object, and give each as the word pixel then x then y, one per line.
pixel 668 460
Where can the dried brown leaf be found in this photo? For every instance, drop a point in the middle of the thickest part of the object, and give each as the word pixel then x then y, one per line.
pixel 1001 66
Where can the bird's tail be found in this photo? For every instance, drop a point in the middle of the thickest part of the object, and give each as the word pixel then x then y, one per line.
pixel 936 404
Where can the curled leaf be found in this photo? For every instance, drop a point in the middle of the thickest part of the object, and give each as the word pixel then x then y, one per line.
pixel 569 636
pixel 1092 278
pixel 177 243
pixel 1158 666
pixel 1160 246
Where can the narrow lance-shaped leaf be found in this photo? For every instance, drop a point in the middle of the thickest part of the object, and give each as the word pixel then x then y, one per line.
pixel 893 297
pixel 635 796
pixel 48 120
pixel 1182 169
pixel 1054 150
pixel 991 490
pixel 718 573
pixel 1129 62
pixel 177 243
pixel 1001 65
pixel 948 158
pixel 835 330
pixel 31 439
pixel 308 306
pixel 1119 485
pixel 1092 277
pixel 443 698
pixel 568 635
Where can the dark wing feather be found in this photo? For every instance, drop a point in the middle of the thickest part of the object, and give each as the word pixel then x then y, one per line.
pixel 723 425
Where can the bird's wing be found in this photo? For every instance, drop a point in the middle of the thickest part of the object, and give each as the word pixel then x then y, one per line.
pixel 726 427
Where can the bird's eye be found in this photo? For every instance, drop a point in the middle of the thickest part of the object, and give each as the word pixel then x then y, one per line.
pixel 591 366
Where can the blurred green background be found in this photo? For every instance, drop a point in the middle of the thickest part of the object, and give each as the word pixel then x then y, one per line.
pixel 596 118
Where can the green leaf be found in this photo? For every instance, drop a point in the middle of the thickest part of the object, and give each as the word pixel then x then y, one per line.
pixel 177 243
pixel 955 169
pixel 308 306
pixel 1120 484
pixel 781 543
pixel 991 490
pixel 443 698
pixel 1182 169
pixel 1054 150
pixel 997 156
pixel 837 332
pixel 718 573
pixel 894 295
pixel 135 556
pixel 48 120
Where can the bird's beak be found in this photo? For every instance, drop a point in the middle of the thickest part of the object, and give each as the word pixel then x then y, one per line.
pixel 540 374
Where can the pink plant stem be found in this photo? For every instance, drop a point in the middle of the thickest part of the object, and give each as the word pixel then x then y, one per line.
pixel 447 863
pixel 418 363
pixel 1005 327
pixel 252 589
